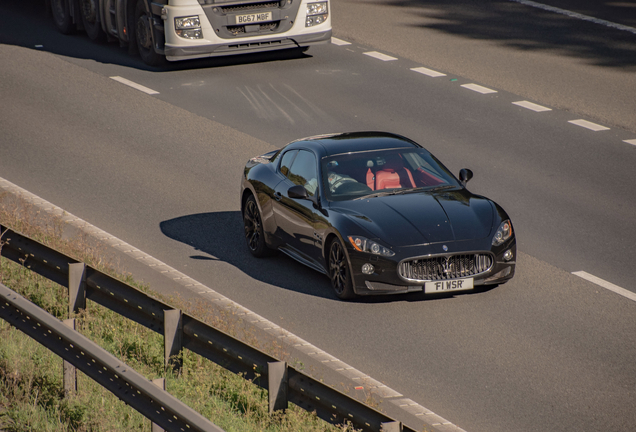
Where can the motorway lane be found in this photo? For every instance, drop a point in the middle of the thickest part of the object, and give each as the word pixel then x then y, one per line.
pixel 502 360
pixel 558 166
pixel 546 57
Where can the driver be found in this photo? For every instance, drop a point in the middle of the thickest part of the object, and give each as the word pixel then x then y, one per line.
pixel 335 179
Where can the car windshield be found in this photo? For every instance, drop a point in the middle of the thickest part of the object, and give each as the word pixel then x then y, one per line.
pixel 383 172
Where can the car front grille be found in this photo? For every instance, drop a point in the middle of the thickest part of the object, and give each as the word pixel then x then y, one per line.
pixel 445 267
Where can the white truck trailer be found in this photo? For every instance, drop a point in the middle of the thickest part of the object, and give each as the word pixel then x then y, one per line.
pixel 189 29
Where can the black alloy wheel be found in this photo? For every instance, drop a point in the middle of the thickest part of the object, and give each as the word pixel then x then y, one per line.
pixel 254 236
pixel 92 25
pixel 62 16
pixel 339 272
pixel 143 36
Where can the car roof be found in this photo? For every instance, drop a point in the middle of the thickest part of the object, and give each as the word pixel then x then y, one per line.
pixel 333 144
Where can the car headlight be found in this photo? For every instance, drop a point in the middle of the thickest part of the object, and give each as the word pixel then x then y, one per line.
pixel 504 232
pixel 188 27
pixel 363 244
pixel 317 13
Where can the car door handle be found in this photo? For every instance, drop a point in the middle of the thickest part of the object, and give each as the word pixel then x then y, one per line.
pixel 278 196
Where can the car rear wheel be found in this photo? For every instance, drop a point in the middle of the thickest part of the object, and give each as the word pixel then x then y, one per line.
pixel 339 271
pixel 254 235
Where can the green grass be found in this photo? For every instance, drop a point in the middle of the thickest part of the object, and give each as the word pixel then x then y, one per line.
pixel 31 388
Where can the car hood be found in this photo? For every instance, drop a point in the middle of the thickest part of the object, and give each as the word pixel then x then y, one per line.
pixel 422 218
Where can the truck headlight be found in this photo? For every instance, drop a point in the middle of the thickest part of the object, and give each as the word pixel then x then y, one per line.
pixel 188 27
pixel 317 13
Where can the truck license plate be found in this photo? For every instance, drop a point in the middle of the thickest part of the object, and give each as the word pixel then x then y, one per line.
pixel 448 285
pixel 253 18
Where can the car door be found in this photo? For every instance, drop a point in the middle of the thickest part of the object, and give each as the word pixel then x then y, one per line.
pixel 296 218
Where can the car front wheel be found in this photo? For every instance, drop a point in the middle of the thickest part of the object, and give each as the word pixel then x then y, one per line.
pixel 339 271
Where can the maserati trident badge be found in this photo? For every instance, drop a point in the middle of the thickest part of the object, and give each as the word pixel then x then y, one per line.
pixel 445 248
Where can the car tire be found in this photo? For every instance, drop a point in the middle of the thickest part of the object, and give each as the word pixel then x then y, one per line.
pixel 143 36
pixel 62 16
pixel 254 235
pixel 339 271
pixel 89 10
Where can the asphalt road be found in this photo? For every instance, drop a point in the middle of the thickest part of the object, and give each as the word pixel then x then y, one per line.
pixel 546 351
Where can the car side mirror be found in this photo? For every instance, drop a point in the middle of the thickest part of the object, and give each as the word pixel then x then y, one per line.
pixel 298 192
pixel 464 175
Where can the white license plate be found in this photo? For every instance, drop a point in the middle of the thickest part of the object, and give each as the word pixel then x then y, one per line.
pixel 253 18
pixel 448 285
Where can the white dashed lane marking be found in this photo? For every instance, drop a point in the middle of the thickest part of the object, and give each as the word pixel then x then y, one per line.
pixel 532 106
pixel 134 85
pixel 588 125
pixel 607 285
pixel 577 15
pixel 485 90
pixel 429 72
pixel 479 89
pixel 339 42
pixel 380 56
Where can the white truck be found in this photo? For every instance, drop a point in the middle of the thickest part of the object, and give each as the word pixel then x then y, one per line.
pixel 189 29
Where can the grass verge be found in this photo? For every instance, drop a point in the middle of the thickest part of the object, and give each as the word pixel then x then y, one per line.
pixel 31 389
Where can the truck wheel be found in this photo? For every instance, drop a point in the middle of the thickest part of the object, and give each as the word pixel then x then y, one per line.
pixel 89 10
pixel 62 16
pixel 143 36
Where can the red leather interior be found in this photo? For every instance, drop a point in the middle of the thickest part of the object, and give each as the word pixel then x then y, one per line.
pixel 427 179
pixel 370 179
pixel 393 175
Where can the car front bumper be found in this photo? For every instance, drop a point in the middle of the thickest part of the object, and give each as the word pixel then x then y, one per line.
pixel 386 279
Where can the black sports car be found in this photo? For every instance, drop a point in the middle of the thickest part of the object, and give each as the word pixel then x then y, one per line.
pixel 377 213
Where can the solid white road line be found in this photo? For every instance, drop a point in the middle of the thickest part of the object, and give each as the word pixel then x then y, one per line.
pixel 589 125
pixel 339 42
pixel 429 72
pixel 380 56
pixel 632 142
pixel 607 285
pixel 478 88
pixel 576 15
pixel 532 106
pixel 134 85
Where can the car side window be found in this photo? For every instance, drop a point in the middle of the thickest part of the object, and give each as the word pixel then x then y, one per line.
pixel 304 171
pixel 286 162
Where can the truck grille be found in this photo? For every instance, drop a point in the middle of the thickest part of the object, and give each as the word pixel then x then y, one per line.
pixel 236 30
pixel 445 267
pixel 249 7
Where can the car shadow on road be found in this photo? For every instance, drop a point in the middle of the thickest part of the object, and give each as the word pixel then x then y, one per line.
pixel 219 236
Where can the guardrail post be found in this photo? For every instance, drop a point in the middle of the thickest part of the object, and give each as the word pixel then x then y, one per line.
pixel 172 338
pixel 278 386
pixel 161 383
pixel 394 426
pixel 70 373
pixel 76 288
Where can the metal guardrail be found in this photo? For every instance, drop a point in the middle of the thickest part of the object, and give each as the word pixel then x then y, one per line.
pixel 125 383
pixel 183 330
